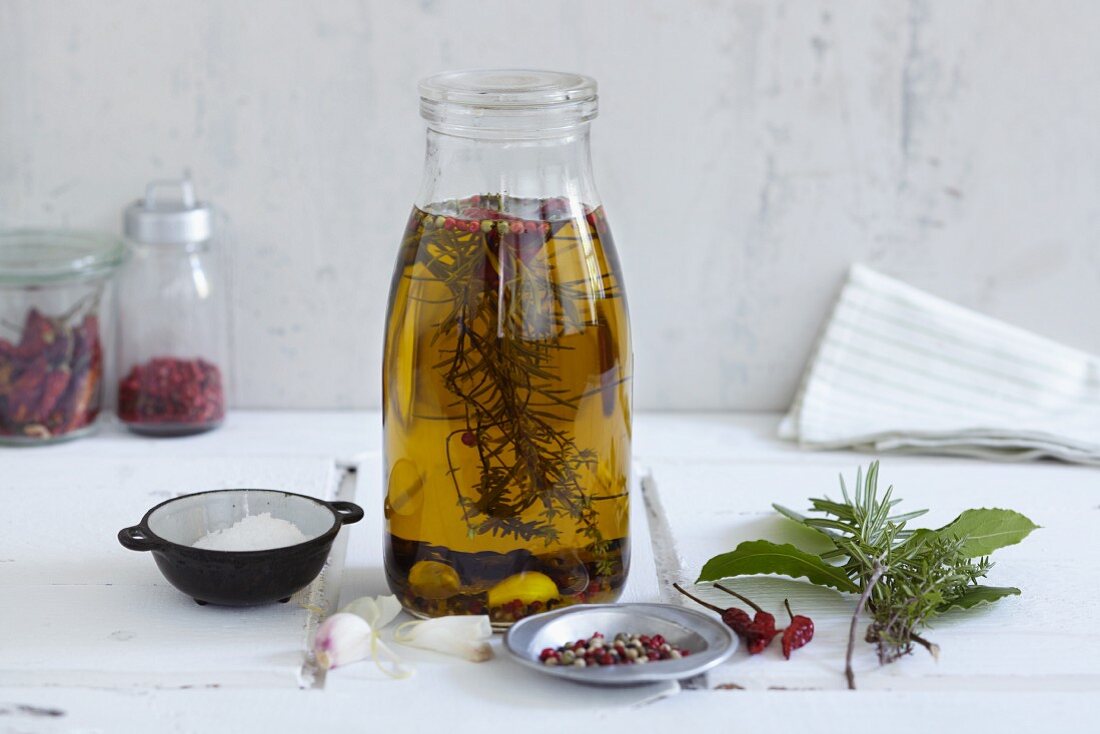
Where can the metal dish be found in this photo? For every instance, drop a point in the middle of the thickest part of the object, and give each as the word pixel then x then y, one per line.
pixel 709 641
pixel 238 578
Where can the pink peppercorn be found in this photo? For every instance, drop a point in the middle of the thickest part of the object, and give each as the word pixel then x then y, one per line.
pixel 167 390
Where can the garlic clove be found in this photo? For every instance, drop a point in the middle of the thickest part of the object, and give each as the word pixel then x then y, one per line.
pixel 347 638
pixel 341 639
pixel 464 637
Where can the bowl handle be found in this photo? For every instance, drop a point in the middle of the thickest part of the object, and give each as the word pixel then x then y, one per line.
pixel 348 512
pixel 136 538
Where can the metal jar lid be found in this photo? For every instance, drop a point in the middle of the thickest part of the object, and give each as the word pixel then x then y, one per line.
pixel 174 221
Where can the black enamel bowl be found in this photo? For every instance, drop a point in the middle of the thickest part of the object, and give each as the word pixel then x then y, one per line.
pixel 238 578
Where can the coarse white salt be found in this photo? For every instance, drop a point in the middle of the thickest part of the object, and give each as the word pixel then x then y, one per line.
pixel 252 533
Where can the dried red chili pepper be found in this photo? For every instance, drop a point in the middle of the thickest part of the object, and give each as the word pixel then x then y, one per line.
pixel 26 392
pixel 798 633
pixel 761 631
pixel 39 331
pixel 56 382
pixel 50 378
pixel 736 619
pixel 81 403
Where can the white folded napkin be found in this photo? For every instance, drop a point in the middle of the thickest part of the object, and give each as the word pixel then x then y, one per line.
pixel 900 370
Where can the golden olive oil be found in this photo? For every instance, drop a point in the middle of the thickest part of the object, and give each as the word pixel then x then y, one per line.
pixel 506 399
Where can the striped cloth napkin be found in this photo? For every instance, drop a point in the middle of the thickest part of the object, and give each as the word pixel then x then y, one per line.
pixel 900 370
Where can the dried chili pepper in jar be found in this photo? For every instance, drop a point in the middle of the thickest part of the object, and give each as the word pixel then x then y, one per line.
pixel 53 284
pixel 50 379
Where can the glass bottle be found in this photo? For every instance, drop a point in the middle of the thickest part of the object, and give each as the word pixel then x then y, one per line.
pixel 56 315
pixel 173 352
pixel 507 364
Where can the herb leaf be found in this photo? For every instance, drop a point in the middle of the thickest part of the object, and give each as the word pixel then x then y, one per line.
pixel 762 556
pixel 977 595
pixel 984 531
pixel 803 520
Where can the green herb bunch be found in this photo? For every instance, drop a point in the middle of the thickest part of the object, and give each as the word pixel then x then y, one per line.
pixel 904 577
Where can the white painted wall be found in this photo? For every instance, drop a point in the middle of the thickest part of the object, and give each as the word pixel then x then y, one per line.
pixel 748 152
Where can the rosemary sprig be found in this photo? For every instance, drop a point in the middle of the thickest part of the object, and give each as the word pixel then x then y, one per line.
pixel 906 576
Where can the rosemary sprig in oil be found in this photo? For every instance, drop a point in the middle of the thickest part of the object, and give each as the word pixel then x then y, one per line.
pixel 501 330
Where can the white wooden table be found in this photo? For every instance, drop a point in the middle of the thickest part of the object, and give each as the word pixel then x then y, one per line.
pixel 92 638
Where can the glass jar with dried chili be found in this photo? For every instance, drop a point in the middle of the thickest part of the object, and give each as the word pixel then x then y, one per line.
pixel 173 348
pixel 56 302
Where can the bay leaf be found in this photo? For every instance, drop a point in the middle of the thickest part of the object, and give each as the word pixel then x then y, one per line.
pixel 978 595
pixel 985 530
pixel 757 557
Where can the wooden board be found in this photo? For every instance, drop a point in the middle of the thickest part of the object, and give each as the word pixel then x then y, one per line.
pixel 1030 664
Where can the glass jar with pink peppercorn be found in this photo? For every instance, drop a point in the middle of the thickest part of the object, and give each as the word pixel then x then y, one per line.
pixel 173 346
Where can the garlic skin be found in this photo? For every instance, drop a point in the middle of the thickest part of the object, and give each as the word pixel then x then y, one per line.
pixel 464 637
pixel 341 639
pixel 379 611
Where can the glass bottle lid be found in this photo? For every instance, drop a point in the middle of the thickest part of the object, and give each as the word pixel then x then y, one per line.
pixel 36 256
pixel 508 99
pixel 175 220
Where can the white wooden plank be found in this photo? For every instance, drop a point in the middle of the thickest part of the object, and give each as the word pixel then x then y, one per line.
pixel 413 705
pixel 642 583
